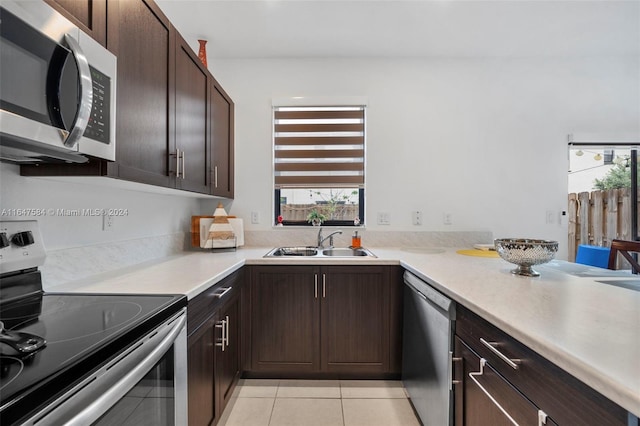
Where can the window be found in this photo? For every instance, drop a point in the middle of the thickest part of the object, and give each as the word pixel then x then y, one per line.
pixel 319 168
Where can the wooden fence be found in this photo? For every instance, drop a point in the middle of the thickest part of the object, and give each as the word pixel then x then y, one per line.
pixel 301 211
pixel 597 217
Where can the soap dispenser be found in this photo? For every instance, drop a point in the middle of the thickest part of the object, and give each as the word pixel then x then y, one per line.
pixel 356 242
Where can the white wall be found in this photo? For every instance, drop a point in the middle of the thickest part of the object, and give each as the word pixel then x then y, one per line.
pixel 481 139
pixel 147 215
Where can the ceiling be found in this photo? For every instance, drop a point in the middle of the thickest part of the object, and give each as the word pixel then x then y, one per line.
pixel 414 28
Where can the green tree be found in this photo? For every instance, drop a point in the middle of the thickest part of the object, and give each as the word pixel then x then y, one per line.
pixel 617 177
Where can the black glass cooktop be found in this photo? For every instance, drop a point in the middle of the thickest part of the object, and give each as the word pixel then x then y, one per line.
pixel 82 332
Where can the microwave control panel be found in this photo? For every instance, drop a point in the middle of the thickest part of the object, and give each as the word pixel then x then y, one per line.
pixel 98 126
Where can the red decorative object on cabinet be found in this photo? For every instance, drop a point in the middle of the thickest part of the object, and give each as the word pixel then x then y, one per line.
pixel 202 53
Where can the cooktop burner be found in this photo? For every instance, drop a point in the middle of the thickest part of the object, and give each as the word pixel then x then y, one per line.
pixel 97 319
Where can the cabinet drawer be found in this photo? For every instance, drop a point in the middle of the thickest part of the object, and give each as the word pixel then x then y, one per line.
pixel 564 398
pixel 488 398
pixel 201 307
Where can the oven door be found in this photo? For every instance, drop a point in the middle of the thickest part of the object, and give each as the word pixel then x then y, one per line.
pixel 144 385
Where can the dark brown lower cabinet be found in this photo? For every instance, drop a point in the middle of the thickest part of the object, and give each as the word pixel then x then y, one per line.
pixel 201 374
pixel 489 388
pixel 491 400
pixel 328 321
pixel 355 319
pixel 285 308
pixel 228 352
pixel 214 347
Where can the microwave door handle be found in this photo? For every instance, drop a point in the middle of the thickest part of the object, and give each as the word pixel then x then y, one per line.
pixel 86 93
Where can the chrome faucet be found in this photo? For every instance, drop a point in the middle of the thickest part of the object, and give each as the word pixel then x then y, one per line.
pixel 322 239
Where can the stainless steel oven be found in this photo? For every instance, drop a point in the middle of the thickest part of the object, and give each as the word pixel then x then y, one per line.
pixel 85 359
pixel 57 88
pixel 144 385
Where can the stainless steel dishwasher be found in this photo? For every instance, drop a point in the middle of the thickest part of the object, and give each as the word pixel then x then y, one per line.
pixel 427 351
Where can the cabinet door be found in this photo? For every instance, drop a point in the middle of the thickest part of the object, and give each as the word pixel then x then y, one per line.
pixel 222 140
pixel 201 373
pixel 355 319
pixel 285 331
pixel 489 399
pixel 191 120
pixel 228 357
pixel 142 38
pixel 89 15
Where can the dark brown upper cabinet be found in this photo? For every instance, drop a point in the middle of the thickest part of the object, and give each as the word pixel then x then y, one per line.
pixel 174 121
pixel 89 15
pixel 192 108
pixel 144 41
pixel 222 139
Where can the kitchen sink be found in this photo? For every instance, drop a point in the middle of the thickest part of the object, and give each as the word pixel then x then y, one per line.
pixel 316 252
pixel 346 252
pixel 293 251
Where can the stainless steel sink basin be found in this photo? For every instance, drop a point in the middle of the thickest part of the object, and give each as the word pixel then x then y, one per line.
pixel 346 252
pixel 315 252
pixel 293 251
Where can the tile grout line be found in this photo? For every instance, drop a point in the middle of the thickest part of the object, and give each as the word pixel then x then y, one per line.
pixel 344 422
pixel 273 406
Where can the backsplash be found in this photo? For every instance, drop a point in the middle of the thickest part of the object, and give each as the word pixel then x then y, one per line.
pixel 73 264
pixel 308 237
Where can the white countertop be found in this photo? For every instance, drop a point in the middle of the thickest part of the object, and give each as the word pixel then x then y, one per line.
pixel 589 329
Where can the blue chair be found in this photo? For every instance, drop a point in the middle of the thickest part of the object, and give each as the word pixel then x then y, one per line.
pixel 593 255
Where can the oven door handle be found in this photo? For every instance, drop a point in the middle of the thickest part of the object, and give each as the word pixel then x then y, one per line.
pixel 85 403
pixel 115 393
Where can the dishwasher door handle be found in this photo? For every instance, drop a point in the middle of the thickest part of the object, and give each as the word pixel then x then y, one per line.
pixel 430 295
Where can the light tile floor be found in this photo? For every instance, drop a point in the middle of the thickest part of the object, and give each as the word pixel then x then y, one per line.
pixel 319 403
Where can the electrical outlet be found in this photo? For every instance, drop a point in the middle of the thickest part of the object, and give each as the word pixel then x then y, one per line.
pixel 550 217
pixel 383 218
pixel 255 217
pixel 447 219
pixel 417 217
pixel 107 222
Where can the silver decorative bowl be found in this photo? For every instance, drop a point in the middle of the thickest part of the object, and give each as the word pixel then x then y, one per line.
pixel 525 253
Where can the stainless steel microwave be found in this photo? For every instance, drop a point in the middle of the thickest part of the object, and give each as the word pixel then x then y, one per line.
pixel 57 88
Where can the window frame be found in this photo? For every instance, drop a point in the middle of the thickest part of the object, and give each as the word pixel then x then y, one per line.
pixel 277 211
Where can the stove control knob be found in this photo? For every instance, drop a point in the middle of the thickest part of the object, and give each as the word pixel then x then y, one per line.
pixel 23 239
pixel 4 241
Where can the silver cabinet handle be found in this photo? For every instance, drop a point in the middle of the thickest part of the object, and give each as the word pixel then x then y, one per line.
pixel 215 176
pixel 223 292
pixel 542 418
pixel 86 93
pixel 492 346
pixel 177 154
pixel 222 325
pixel 452 359
pixel 324 286
pixel 315 285
pixel 183 168
pixel 227 326
pixel 473 376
